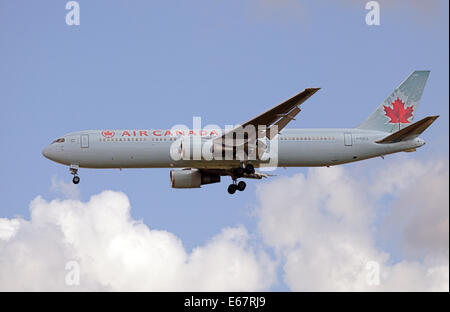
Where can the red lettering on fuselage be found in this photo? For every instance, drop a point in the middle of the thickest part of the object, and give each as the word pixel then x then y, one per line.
pixel 134 133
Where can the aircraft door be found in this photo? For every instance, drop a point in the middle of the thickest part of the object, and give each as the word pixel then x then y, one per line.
pixel 84 141
pixel 348 140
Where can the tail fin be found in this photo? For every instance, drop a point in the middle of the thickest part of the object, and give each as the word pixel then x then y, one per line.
pixel 397 111
pixel 410 132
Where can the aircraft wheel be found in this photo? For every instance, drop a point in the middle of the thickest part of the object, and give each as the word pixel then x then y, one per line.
pixel 232 188
pixel 249 169
pixel 241 186
pixel 76 180
pixel 239 172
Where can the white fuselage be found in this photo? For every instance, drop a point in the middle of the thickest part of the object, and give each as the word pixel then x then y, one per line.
pixel 151 149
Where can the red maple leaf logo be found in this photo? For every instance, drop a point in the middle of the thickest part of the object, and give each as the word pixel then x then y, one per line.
pixel 398 113
pixel 108 134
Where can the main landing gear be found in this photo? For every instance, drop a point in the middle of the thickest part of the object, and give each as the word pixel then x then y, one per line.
pixel 74 171
pixel 238 173
pixel 232 188
pixel 249 169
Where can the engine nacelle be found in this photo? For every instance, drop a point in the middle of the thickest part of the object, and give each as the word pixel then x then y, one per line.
pixel 191 178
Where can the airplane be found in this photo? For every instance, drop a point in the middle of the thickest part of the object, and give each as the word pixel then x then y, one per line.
pixel 389 129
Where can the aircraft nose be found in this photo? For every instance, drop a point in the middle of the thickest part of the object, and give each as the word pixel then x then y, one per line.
pixel 46 152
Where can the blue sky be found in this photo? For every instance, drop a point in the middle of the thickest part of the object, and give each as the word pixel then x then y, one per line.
pixel 145 64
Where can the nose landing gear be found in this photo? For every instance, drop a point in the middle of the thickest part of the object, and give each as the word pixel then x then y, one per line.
pixel 74 171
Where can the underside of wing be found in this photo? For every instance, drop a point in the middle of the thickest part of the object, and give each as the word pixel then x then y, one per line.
pixel 232 172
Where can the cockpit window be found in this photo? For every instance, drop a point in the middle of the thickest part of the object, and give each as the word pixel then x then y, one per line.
pixel 60 140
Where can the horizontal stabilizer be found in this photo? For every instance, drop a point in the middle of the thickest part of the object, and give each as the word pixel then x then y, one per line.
pixel 410 132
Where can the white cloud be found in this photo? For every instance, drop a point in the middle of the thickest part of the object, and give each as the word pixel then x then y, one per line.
pixel 324 226
pixel 115 252
pixel 8 228
pixel 420 208
pixel 68 190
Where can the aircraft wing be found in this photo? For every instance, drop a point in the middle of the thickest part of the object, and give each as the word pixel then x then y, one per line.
pixel 279 115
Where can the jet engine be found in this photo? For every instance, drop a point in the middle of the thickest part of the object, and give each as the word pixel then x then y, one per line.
pixel 191 178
